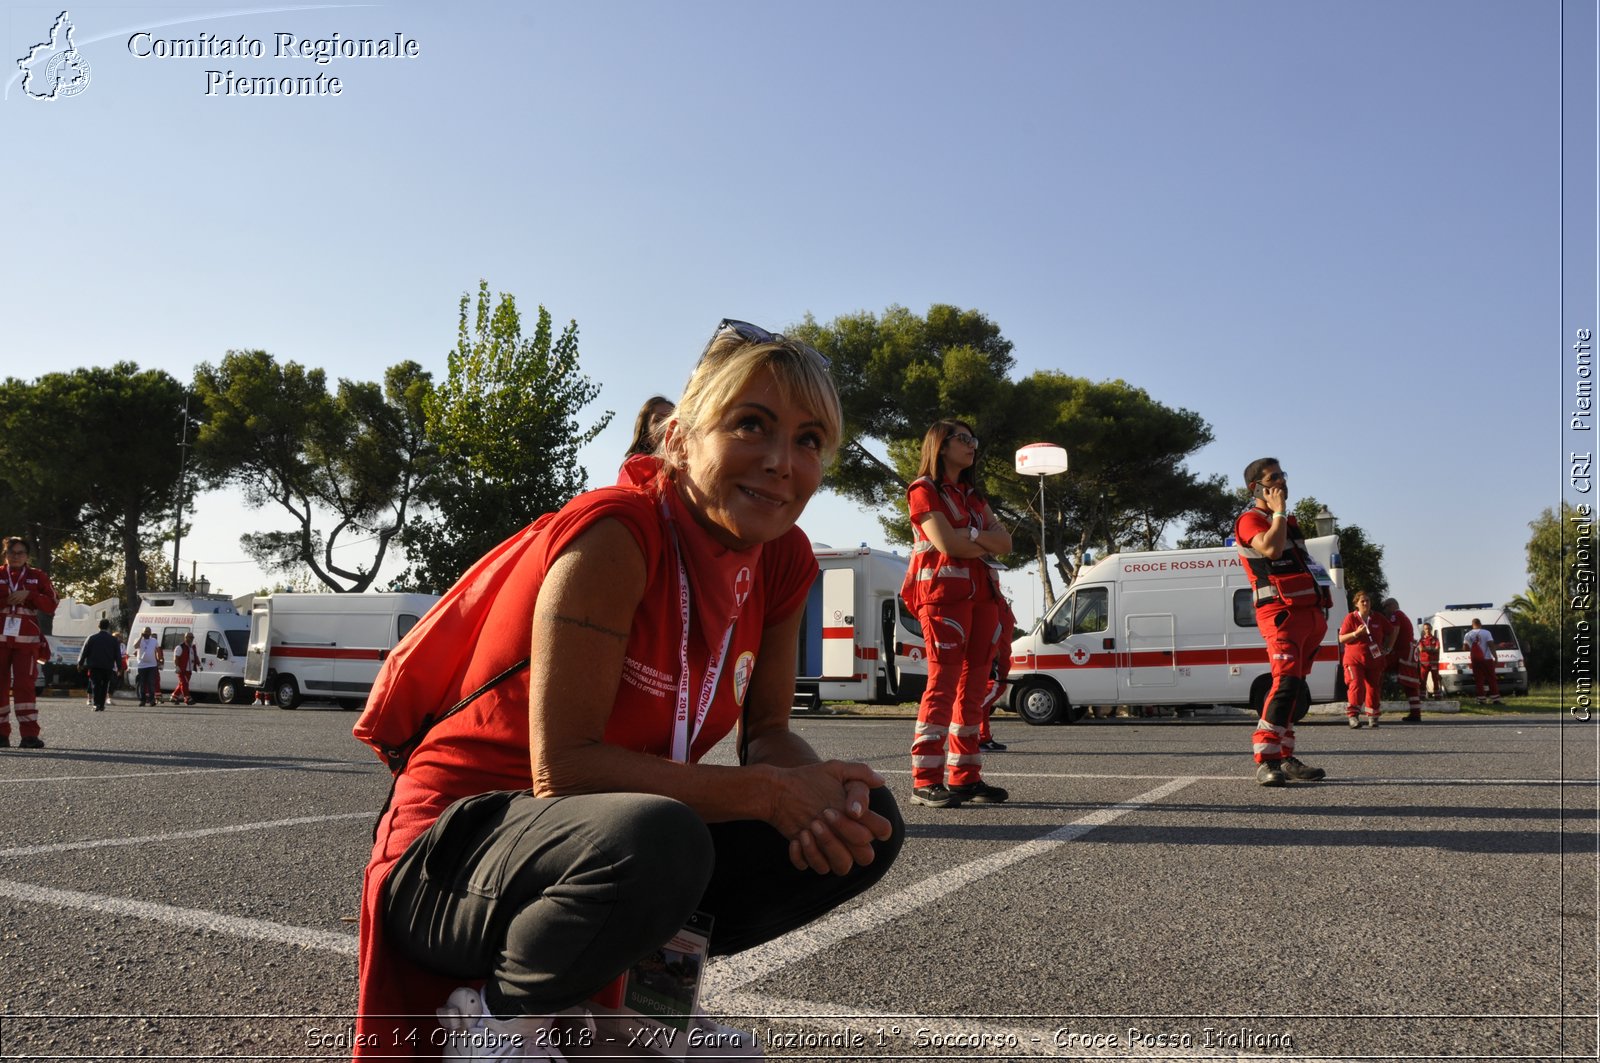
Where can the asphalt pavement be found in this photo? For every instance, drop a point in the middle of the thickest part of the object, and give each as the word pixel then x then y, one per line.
pixel 182 883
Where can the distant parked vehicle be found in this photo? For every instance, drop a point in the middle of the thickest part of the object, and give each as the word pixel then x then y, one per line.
pixel 326 645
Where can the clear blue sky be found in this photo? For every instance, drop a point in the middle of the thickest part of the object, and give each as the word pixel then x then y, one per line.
pixel 1332 229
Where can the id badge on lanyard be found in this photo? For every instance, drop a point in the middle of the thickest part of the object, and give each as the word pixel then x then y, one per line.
pixel 685 731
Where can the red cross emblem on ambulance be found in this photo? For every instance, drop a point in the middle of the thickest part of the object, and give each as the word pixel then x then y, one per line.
pixel 1079 655
pixel 741 587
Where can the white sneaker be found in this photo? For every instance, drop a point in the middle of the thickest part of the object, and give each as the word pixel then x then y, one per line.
pixel 471 1033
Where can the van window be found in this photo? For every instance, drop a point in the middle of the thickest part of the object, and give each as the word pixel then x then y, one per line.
pixel 404 623
pixel 1090 611
pixel 908 619
pixel 1083 611
pixel 1244 607
pixel 1451 639
pixel 171 636
pixel 211 644
pixel 238 637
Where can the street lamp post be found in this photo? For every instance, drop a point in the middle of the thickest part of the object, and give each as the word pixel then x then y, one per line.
pixel 1041 460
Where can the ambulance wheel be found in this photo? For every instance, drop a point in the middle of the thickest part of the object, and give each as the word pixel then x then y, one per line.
pixel 229 692
pixel 286 693
pixel 1040 702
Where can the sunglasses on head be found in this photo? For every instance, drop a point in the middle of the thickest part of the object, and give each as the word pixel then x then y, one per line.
pixel 756 334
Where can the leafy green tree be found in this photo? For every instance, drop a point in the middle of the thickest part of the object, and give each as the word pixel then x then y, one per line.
pixel 117 494
pixel 1546 615
pixel 897 374
pixel 505 422
pixel 356 455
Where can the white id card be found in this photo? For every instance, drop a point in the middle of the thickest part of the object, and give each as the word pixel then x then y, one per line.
pixel 13 627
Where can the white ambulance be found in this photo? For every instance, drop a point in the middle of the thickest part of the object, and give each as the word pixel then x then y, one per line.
pixel 1165 627
pixel 858 642
pixel 325 645
pixel 1451 625
pixel 219 632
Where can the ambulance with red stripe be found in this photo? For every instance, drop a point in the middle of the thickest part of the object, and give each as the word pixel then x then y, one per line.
pixel 1164 627
pixel 858 641
pixel 325 645
pixel 219 633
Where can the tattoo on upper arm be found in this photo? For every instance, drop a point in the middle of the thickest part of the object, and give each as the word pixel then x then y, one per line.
pixel 562 618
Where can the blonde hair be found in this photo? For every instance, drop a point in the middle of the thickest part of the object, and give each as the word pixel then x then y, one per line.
pixel 730 363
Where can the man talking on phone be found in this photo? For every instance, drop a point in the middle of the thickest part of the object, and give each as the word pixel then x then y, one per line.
pixel 1289 611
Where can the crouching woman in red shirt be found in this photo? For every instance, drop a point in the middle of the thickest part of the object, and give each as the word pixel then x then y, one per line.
pixel 560 827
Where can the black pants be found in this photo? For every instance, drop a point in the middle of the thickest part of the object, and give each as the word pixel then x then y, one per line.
pixel 99 685
pixel 551 899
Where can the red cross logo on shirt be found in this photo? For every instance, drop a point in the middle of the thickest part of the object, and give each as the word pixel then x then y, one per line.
pixel 741 587
pixel 1079 655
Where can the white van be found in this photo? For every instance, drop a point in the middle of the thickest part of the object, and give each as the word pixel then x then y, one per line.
pixel 326 645
pixel 1451 625
pixel 219 633
pixel 1164 627
pixel 858 642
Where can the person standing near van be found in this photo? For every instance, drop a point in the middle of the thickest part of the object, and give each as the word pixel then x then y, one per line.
pixel 1000 671
pixel 101 658
pixel 1403 659
pixel 949 587
pixel 147 657
pixel 1480 645
pixel 1363 635
pixel 1428 663
pixel 28 594
pixel 1289 605
pixel 185 661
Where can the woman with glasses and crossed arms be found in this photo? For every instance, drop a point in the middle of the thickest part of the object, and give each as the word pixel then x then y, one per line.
pixel 561 828
pixel 949 587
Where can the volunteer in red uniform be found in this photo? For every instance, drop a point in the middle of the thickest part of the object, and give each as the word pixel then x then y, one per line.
pixel 1480 647
pixel 1000 671
pixel 185 661
pixel 950 588
pixel 1403 659
pixel 1428 662
pixel 1362 635
pixel 1289 611
pixel 560 827
pixel 28 594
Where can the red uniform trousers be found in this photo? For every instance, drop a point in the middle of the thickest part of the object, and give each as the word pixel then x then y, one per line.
pixel 1292 636
pixel 1424 672
pixel 1410 676
pixel 1482 676
pixel 960 646
pixel 181 693
pixel 997 677
pixel 19 668
pixel 1364 680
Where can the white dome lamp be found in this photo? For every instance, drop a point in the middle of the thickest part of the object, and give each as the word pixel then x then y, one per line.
pixel 1041 460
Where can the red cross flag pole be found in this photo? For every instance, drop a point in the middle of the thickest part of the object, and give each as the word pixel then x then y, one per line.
pixel 1041 460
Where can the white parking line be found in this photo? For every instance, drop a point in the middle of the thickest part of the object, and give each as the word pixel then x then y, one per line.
pixel 188 918
pixel 733 972
pixel 155 774
pixel 182 835
pixel 1250 777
